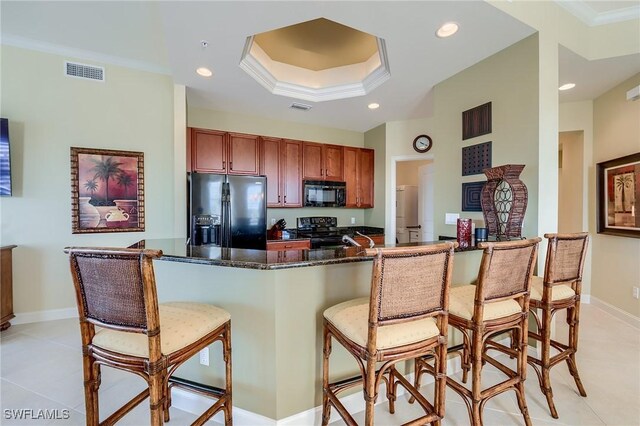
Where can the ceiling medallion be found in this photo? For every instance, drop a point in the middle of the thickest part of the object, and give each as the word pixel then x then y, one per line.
pixel 294 62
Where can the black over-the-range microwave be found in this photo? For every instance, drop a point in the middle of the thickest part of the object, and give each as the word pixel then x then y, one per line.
pixel 319 193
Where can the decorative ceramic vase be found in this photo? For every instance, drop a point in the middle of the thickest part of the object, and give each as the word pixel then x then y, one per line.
pixel 464 233
pixel 131 208
pixel 89 216
pixel 504 201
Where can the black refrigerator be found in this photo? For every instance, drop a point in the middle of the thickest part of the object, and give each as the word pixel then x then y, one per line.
pixel 227 210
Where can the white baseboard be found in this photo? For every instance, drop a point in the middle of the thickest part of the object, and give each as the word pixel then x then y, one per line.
pixel 49 315
pixel 632 320
pixel 354 403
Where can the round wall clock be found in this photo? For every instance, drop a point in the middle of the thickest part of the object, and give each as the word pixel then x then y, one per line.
pixel 422 143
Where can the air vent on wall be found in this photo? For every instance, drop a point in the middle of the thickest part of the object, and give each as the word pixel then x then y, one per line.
pixel 90 72
pixel 301 107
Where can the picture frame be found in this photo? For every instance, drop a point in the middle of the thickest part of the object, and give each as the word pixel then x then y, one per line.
pixel 107 191
pixel 618 196
pixel 471 195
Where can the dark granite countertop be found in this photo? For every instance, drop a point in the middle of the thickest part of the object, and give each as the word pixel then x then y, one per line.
pixel 175 250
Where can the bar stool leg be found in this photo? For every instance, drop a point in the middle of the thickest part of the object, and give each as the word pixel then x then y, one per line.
pixel 476 374
pixel 391 390
pixel 226 355
pixel 370 391
pixel 520 336
pixel 91 385
pixel 326 407
pixel 572 320
pixel 155 398
pixel 546 363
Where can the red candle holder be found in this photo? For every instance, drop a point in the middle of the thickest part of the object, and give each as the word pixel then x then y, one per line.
pixel 464 233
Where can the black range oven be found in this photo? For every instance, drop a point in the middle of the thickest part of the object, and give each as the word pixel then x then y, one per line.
pixel 321 231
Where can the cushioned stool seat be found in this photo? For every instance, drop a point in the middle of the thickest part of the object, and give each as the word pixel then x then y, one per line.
pixel 461 301
pixel 558 292
pixel 352 319
pixel 182 323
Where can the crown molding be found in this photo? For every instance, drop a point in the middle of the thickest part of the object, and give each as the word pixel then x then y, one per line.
pixel 259 72
pixel 40 46
pixel 586 14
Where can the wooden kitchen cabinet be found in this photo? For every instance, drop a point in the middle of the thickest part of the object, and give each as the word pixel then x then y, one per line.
pixel 288 244
pixel 6 290
pixel 208 151
pixel 221 152
pixel 281 163
pixel 359 176
pixel 322 162
pixel 244 154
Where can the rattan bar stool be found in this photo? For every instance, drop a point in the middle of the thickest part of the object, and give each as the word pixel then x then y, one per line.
pixel 404 317
pixel 498 303
pixel 116 290
pixel 559 289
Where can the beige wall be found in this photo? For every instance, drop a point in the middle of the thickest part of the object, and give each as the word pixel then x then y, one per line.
pixel 220 120
pixel 508 79
pixel 616 132
pixel 376 139
pixel 570 182
pixel 48 113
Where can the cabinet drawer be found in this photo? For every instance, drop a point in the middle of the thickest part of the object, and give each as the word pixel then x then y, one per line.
pixel 377 239
pixel 288 245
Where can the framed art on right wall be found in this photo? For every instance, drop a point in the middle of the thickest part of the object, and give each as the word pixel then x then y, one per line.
pixel 618 192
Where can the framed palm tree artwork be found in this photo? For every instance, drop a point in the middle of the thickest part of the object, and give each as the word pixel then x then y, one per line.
pixel 107 190
pixel 618 192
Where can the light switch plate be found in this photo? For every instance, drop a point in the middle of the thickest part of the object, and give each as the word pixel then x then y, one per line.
pixel 451 218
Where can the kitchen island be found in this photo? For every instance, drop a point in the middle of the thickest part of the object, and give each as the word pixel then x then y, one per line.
pixel 276 300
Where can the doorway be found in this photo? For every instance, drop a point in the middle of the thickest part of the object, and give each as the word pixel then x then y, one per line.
pixel 412 174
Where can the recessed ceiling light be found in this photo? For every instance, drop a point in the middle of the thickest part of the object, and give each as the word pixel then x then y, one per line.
pixel 567 86
pixel 447 29
pixel 373 105
pixel 205 72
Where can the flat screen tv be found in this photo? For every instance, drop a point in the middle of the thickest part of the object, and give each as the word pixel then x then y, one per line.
pixel 5 159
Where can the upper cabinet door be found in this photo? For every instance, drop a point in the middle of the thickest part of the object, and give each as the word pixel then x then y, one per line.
pixel 244 154
pixel 270 166
pixel 291 173
pixel 351 175
pixel 208 152
pixel 333 162
pixel 366 176
pixel 313 165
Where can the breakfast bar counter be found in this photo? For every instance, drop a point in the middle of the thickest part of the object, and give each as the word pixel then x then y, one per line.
pixel 276 301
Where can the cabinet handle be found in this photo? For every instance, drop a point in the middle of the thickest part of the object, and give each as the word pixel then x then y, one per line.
pixel 321 172
pixel 278 198
pixel 288 246
pixel 230 165
pixel 224 164
pixel 285 198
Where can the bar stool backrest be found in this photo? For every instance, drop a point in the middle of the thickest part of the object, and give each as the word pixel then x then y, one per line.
pixel 565 257
pixel 506 269
pixel 410 283
pixel 115 288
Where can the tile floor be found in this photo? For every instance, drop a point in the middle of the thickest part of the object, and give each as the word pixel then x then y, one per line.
pixel 41 365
